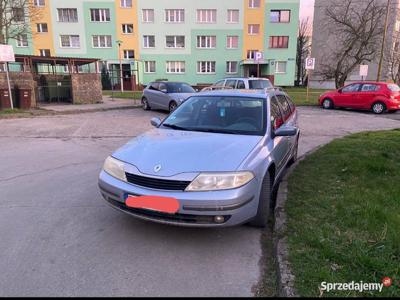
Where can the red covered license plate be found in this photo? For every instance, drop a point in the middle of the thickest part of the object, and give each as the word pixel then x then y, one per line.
pixel 157 203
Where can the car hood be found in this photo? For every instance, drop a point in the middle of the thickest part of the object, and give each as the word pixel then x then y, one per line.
pixel 186 152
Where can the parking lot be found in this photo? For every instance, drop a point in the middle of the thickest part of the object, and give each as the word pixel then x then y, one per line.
pixel 59 238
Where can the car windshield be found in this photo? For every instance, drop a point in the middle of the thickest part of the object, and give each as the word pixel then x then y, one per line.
pixel 176 87
pixel 259 84
pixel 220 114
pixel 394 87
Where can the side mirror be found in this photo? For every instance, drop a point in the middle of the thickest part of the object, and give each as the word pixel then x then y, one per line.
pixel 155 122
pixel 286 131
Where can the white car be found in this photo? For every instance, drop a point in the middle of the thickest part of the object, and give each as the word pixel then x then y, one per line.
pixel 241 83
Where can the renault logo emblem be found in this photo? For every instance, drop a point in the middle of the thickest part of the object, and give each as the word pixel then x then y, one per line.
pixel 157 168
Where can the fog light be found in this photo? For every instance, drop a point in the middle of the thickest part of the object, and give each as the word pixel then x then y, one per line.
pixel 219 219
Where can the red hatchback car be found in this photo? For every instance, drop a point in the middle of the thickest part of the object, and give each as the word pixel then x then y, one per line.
pixel 376 96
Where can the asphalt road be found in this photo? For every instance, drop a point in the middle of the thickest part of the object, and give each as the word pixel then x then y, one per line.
pixel 59 238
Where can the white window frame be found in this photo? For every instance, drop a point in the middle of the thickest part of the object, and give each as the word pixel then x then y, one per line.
pixel 41 51
pixel 125 26
pixel 208 67
pixel 22 43
pixel 39 27
pixel 252 3
pixel 178 66
pixel 251 27
pixel 70 36
pixel 123 3
pixel 252 52
pixel 145 15
pixel 107 41
pixel 229 41
pixel 147 66
pixel 174 16
pixel 277 63
pixel 68 15
pixel 230 19
pixel 39 3
pixel 146 41
pixel 102 15
pixel 206 16
pixel 175 41
pixel 126 51
pixel 206 42
pixel 229 65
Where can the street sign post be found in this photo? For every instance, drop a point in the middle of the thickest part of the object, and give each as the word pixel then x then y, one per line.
pixel 363 71
pixel 258 57
pixel 6 56
pixel 310 65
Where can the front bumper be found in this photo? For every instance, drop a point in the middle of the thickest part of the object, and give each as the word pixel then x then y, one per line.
pixel 196 209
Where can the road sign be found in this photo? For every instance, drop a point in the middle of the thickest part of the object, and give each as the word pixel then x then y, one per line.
pixel 258 56
pixel 7 53
pixel 363 70
pixel 310 63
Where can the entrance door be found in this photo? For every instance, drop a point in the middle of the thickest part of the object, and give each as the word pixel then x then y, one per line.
pixel 251 71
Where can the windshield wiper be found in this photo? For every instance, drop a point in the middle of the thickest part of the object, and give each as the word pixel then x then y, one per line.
pixel 214 130
pixel 176 127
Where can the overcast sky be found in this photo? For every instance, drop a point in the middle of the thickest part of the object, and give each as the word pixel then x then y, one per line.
pixel 306 8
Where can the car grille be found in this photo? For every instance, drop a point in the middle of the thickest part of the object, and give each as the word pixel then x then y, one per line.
pixel 155 183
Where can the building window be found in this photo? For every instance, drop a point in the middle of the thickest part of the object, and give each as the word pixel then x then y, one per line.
pixel 251 54
pixel 177 67
pixel 206 15
pixel 126 3
pixel 206 67
pixel 232 42
pixel 233 16
pixel 254 4
pixel 127 28
pixel 18 14
pixel 148 15
pixel 100 15
pixel 129 54
pixel 70 41
pixel 150 66
pixel 174 15
pixel 280 16
pixel 231 67
pixel 175 41
pixel 279 42
pixel 42 27
pixel 149 41
pixel 44 52
pixel 207 42
pixel 253 29
pixel 280 67
pixel 22 40
pixel 102 41
pixel 68 15
pixel 39 3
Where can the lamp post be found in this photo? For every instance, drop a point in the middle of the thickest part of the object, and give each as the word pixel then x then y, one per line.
pixel 121 75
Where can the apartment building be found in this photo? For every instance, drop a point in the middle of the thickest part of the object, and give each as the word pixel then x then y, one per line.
pixel 185 40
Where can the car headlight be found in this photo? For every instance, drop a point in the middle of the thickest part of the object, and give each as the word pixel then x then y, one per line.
pixel 115 168
pixel 219 181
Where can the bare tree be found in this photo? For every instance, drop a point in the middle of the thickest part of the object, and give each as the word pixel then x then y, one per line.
pixel 15 18
pixel 392 59
pixel 357 28
pixel 303 49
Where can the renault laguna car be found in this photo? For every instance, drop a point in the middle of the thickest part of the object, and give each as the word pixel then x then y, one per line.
pixel 214 161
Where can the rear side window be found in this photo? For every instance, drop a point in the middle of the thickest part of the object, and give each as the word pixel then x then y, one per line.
pixel 394 87
pixel 241 84
pixel 370 88
pixel 285 106
pixel 276 114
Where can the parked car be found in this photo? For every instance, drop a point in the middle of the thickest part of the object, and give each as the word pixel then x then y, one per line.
pixel 165 95
pixel 241 83
pixel 215 161
pixel 376 96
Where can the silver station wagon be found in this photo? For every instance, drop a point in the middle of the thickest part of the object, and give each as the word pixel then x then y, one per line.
pixel 213 162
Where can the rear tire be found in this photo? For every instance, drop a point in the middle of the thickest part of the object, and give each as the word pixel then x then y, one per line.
pixel 261 218
pixel 378 108
pixel 327 104
pixel 145 104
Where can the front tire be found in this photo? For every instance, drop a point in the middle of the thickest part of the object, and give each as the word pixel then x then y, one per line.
pixel 378 108
pixel 261 218
pixel 145 104
pixel 327 103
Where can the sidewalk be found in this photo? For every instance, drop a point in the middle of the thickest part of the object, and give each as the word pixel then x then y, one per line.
pixel 107 104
